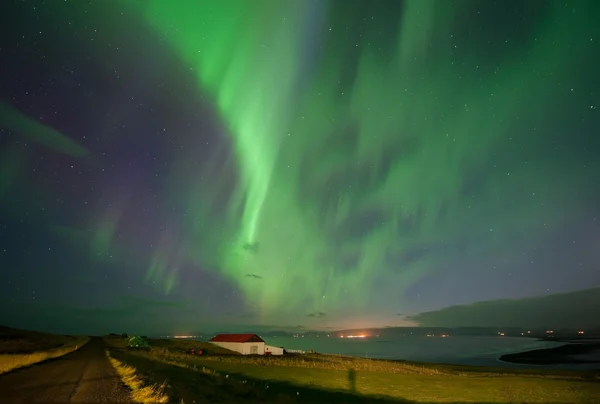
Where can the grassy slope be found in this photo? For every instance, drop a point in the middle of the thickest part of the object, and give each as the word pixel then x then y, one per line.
pixel 19 348
pixel 318 376
pixel 140 391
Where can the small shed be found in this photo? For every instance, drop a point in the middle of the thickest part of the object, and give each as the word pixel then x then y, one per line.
pixel 246 344
pixel 273 350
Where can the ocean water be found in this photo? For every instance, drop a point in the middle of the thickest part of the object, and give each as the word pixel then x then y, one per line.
pixel 461 350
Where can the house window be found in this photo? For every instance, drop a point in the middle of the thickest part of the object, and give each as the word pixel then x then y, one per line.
pixel 254 349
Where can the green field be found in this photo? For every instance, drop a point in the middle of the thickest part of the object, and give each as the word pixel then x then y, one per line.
pixel 325 378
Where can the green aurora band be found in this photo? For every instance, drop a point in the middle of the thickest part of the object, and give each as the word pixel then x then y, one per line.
pixel 342 179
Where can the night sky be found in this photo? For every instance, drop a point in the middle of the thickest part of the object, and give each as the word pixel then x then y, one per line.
pixel 171 166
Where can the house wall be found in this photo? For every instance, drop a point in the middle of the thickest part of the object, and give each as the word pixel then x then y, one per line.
pixel 275 350
pixel 245 348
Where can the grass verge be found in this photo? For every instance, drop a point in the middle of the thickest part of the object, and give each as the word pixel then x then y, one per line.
pixel 345 363
pixel 198 379
pixel 395 380
pixel 195 384
pixel 140 392
pixel 10 362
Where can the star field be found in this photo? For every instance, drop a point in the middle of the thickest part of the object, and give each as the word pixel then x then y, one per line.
pixel 182 165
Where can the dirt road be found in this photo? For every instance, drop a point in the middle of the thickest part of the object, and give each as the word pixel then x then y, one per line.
pixel 84 376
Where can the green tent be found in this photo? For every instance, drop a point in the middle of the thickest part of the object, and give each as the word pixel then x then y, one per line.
pixel 138 343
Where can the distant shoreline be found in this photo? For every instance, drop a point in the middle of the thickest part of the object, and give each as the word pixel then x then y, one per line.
pixel 570 353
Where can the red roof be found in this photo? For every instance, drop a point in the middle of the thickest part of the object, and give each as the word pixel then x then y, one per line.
pixel 236 338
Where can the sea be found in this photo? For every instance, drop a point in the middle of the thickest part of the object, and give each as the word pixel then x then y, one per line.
pixel 459 350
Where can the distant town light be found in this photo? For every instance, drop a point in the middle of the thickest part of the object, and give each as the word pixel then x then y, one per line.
pixel 580 332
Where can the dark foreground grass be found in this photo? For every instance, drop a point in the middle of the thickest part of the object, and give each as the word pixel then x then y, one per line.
pixel 258 379
pixel 194 384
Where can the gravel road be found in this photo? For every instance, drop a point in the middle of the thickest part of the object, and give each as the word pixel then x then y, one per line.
pixel 84 376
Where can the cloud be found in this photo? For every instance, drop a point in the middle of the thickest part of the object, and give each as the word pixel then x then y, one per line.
pixel 254 276
pixel 564 310
pixel 316 314
pixel 399 314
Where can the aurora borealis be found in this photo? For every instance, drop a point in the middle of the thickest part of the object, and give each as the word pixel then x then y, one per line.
pixel 314 163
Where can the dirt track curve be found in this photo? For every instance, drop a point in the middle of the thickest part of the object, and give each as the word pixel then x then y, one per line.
pixel 84 376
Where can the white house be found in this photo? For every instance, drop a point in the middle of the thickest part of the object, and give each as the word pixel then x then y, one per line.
pixel 246 344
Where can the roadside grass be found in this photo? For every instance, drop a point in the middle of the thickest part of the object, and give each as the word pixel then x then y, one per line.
pixel 20 348
pixel 195 384
pixel 345 363
pixel 140 392
pixel 314 375
pixel 310 361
